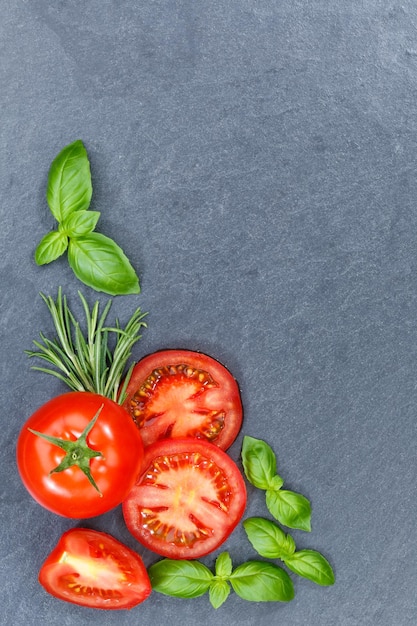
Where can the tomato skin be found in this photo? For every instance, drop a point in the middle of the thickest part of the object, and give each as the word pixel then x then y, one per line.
pixel 91 568
pixel 189 498
pixel 184 407
pixel 69 493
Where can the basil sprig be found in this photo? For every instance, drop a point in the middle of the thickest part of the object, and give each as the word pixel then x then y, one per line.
pixel 256 581
pixel 260 465
pixel 95 259
pixel 271 542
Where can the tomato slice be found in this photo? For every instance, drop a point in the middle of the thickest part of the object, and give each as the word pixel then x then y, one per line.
pixel 189 498
pixel 180 393
pixel 91 568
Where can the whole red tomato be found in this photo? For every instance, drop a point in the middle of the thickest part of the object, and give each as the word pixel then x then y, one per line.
pixel 79 454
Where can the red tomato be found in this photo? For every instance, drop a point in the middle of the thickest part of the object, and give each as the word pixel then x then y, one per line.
pixel 179 393
pixel 93 569
pixel 69 492
pixel 189 498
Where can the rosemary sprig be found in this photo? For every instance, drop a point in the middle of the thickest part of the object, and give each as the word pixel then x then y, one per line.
pixel 87 361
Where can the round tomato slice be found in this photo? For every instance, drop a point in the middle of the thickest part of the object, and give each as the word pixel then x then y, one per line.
pixel 189 498
pixel 93 569
pixel 180 393
pixel 79 454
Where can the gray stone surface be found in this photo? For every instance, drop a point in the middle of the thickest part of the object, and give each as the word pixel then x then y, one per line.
pixel 257 162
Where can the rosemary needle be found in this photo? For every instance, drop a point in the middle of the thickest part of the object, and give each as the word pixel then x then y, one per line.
pixel 88 361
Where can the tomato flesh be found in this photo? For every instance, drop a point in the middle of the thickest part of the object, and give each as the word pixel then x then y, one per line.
pixel 91 568
pixel 179 393
pixel 188 499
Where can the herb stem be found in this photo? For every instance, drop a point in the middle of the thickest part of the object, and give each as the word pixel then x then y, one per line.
pixel 86 362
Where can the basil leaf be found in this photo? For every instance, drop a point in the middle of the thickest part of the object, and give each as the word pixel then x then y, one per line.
pixel 50 247
pixel 223 565
pixel 276 483
pixel 98 261
pixel 80 223
pixel 268 539
pixel 262 582
pixel 182 579
pixel 259 462
pixel 69 181
pixel 312 565
pixel 95 259
pixel 289 508
pixel 218 593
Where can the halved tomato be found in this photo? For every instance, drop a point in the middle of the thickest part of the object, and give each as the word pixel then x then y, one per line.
pixel 91 568
pixel 188 499
pixel 180 393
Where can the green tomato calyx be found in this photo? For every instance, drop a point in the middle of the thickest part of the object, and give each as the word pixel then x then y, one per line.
pixel 77 452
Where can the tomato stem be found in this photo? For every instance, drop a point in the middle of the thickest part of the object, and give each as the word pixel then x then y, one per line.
pixel 78 452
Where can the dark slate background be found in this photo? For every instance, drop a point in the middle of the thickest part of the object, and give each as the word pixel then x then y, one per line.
pixel 257 163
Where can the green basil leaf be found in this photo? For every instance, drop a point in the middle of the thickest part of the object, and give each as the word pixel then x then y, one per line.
pixel 276 483
pixel 259 462
pixel 50 247
pixel 262 582
pixel 80 223
pixel 98 262
pixel 181 579
pixel 289 508
pixel 312 565
pixel 69 181
pixel 268 539
pixel 224 565
pixel 218 593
